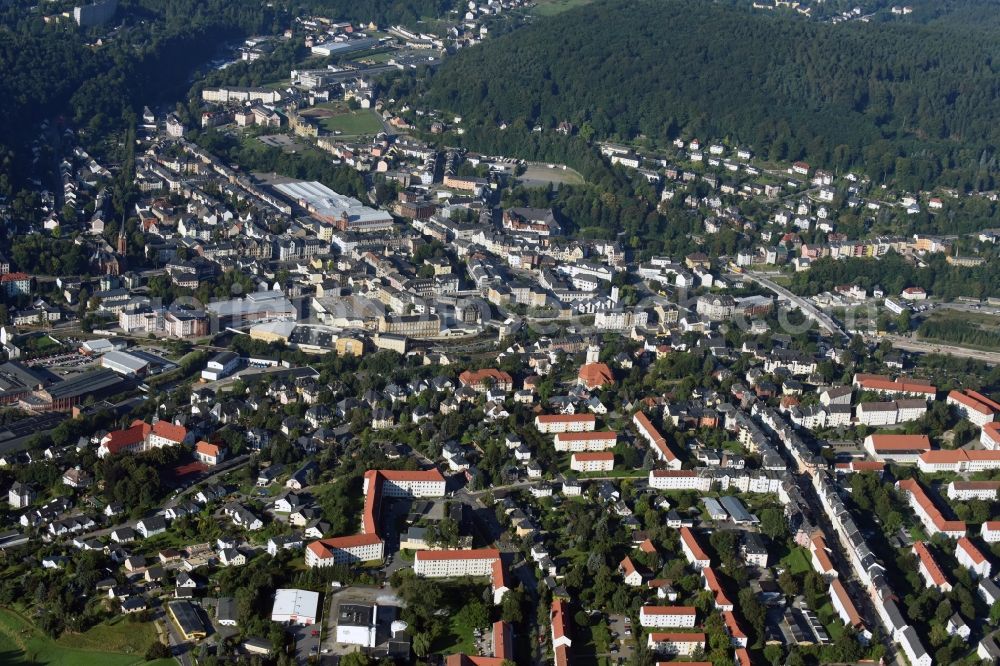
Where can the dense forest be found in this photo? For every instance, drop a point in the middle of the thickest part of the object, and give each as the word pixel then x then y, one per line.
pixel 50 70
pixel 905 101
pixel 61 71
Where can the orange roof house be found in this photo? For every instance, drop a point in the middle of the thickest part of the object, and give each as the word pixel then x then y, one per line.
pixel 595 375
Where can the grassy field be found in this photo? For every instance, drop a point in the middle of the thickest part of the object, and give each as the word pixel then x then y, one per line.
pixel 22 644
pixel 831 621
pixel 459 637
pixel 352 123
pixel 536 175
pixel 119 636
pixel 553 7
pixel 336 117
pixel 797 561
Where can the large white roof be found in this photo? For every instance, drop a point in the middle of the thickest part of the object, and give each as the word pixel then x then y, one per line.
pixel 324 201
pixel 300 603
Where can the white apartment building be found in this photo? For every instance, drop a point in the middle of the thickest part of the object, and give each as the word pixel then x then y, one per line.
pixel 455 563
pixel 876 414
pixel 403 483
pixel 973 490
pixel 990 531
pixel 557 423
pixel 668 479
pixel 592 462
pixel 620 320
pixel 958 460
pixel 693 551
pixel 672 643
pixel 657 442
pixel 585 441
pixel 974 406
pixel 990 436
pixel 345 550
pixel 668 616
pixel 970 557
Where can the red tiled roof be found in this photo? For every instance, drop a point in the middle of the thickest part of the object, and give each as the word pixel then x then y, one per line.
pixel 901 442
pixel 648 430
pixel 930 564
pixel 669 610
pixel 677 637
pixel 976 395
pixel 559 626
pixel 119 440
pixel 944 457
pixel 501 581
pixel 687 536
pixel 970 549
pixel 992 431
pixel 168 430
pixel 819 550
pixel 566 418
pixel 477 377
pixel 586 436
pixel 591 456
pixel 867 465
pixel 594 375
pixel 883 383
pixel 713 584
pixel 503 642
pixel 920 496
pixel 207 449
pixel 975 401
pixel 840 591
pixel 472 554
pixel 324 547
pixel 733 625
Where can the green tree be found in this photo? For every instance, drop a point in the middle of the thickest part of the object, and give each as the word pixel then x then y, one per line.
pixel 772 524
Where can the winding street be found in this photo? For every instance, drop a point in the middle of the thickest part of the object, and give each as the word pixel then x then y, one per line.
pixel 811 311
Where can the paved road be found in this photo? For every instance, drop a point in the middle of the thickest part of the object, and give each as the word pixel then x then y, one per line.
pixel 179 648
pixel 914 345
pixel 841 560
pixel 811 311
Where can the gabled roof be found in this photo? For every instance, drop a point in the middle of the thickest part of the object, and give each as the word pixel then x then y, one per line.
pixel 594 375
pixel 687 536
pixel 970 549
pixel 930 564
pixel 119 440
pixel 901 442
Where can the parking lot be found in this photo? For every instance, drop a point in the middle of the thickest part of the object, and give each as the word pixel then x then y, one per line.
pixel 71 361
pixel 622 637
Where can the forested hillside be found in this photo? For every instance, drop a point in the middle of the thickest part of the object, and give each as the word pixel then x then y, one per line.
pixel 52 70
pixel 905 100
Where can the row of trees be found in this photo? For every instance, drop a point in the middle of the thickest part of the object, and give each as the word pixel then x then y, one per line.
pixel 893 273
